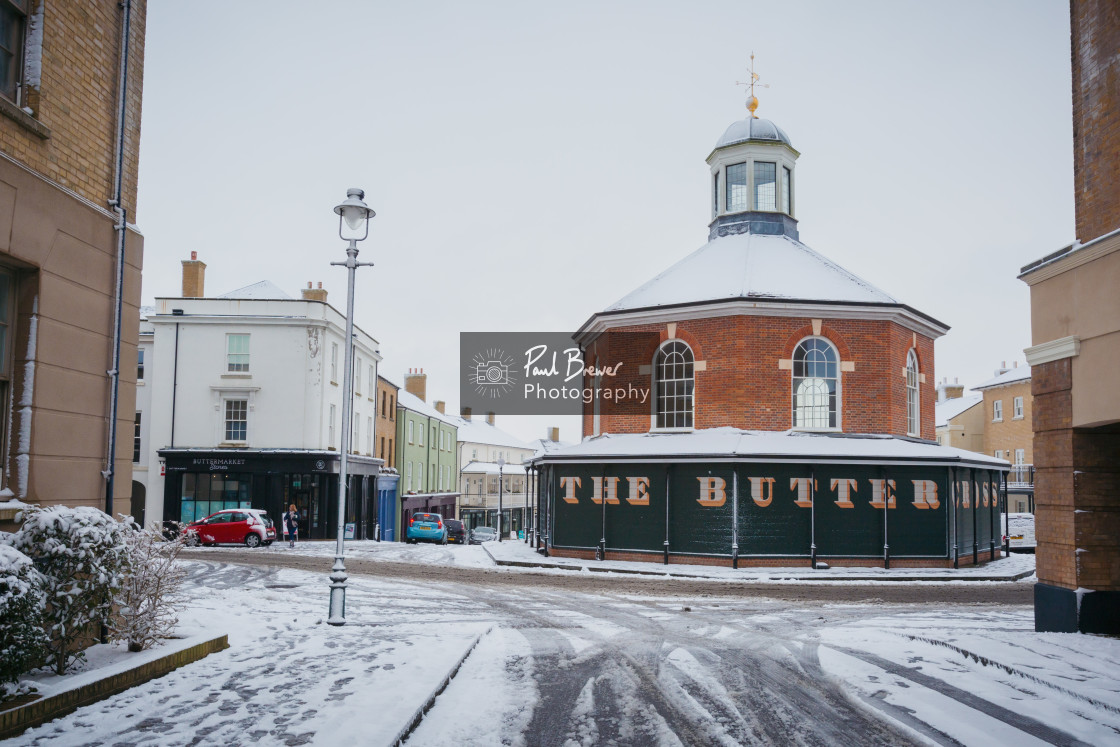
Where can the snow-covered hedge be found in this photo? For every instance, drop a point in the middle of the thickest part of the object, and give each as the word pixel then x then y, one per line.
pixel 22 642
pixel 150 595
pixel 83 559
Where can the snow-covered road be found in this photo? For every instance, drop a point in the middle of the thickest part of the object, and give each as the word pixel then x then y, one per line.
pixel 557 665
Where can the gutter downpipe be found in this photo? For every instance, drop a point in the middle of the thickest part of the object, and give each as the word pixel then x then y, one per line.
pixel 120 228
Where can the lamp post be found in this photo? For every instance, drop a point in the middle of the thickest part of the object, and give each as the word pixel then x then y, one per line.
pixel 501 465
pixel 525 516
pixel 353 226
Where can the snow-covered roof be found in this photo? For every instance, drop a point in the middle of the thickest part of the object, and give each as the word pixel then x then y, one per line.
pixel 410 401
pixel 481 432
pixel 752 129
pixel 491 468
pixel 732 442
pixel 951 408
pixel 1019 373
pixel 262 290
pixel 545 446
pixel 752 266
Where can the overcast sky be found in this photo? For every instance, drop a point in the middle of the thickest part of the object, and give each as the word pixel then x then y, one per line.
pixel 532 163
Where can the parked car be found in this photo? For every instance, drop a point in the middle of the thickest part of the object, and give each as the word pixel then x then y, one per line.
pixel 426 527
pixel 482 534
pixel 251 526
pixel 456 531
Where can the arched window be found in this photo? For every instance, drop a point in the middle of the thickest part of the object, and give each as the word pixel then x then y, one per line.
pixel 816 380
pixel 913 426
pixel 673 380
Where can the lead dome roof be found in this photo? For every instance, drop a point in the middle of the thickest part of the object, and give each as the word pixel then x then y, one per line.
pixel 753 128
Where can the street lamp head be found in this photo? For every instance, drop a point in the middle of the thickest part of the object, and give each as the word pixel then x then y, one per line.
pixel 353 216
pixel 501 462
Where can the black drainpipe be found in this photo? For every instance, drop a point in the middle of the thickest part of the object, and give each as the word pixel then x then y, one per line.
pixel 120 227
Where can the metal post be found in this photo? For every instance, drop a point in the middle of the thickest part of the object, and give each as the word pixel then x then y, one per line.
pixel 812 519
pixel 525 516
pixel 886 521
pixel 338 570
pixel 735 518
pixel 668 471
pixel 501 466
pixel 601 550
pixel 954 495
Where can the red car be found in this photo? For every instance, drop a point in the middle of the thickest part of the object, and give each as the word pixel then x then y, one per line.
pixel 250 526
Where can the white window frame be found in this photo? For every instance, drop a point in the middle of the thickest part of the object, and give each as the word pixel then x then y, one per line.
pixel 358 378
pixel 334 363
pixel 371 383
pixel 140 372
pixel 330 428
pixel 997 411
pixel 420 428
pixel 137 443
pixel 1017 408
pixel 356 440
pixel 226 403
pixel 802 389
pixel 1020 456
pixel 658 370
pixel 411 439
pixel 913 399
pixel 232 366
pixel 369 435
pixel 408 485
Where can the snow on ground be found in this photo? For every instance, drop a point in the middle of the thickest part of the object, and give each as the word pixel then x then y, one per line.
pixel 483 556
pixel 287 677
pixel 1067 681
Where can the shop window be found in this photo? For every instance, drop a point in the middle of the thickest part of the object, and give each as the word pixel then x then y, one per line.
pixel 674 383
pixel 913 425
pixel 202 494
pixel 737 188
pixel 816 380
pixel 765 186
pixel 237 353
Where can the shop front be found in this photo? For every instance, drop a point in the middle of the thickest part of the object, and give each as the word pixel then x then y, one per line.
pixel 200 482
pixel 427 503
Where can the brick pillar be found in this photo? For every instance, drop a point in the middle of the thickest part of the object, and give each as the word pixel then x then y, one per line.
pixel 1077 515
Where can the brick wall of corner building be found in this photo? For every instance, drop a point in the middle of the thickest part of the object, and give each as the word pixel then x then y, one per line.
pixel 743 386
pixel 77 101
pixel 1056 557
pixel 1095 33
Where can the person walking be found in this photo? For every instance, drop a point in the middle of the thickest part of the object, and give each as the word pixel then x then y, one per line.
pixel 291 525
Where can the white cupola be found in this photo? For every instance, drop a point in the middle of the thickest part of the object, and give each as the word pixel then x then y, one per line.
pixel 752 178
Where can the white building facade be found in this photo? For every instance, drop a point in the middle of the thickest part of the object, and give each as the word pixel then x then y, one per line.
pixel 241 405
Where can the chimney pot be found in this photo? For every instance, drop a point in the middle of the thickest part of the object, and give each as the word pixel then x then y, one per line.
pixel 194 256
pixel 490 418
pixel 466 412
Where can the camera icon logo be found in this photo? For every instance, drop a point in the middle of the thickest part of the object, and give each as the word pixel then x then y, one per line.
pixel 491 375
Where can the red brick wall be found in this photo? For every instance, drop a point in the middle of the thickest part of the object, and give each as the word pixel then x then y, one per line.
pixel 1095 32
pixel 743 387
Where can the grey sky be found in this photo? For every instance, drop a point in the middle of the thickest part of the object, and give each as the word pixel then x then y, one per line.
pixel 531 163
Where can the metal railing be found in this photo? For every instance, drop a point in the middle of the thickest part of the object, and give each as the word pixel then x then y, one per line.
pixel 1020 476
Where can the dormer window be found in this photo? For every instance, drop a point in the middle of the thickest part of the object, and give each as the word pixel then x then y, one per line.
pixel 765 186
pixel 736 187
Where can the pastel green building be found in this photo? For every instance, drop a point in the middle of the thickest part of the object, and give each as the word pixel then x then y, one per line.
pixel 426 459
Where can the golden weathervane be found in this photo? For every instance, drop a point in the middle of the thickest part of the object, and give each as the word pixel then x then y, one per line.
pixel 752 102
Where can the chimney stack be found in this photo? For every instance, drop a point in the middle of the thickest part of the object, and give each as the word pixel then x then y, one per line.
pixel 490 418
pixel 416 383
pixel 554 434
pixel 194 277
pixel 466 413
pixel 441 406
pixel 313 294
pixel 947 391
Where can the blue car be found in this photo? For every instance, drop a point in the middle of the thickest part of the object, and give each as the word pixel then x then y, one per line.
pixel 426 527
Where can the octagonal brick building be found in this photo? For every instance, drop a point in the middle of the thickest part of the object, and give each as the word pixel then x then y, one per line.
pixel 790 407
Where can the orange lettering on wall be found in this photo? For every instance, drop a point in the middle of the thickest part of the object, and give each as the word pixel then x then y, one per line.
pixel 801 485
pixel 638 494
pixel 882 493
pixel 612 490
pixel 844 490
pixel 762 490
pixel 712 493
pixel 569 485
pixel 925 494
